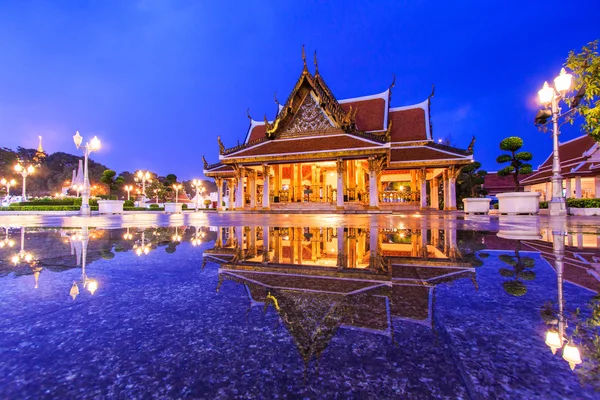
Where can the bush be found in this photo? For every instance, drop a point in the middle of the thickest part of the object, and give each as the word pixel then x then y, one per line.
pixel 45 208
pixel 154 206
pixel 583 203
pixel 128 203
pixel 543 204
pixel 93 202
pixel 184 206
pixel 47 202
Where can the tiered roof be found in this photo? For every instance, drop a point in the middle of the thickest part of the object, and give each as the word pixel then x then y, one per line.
pixel 578 157
pixel 314 124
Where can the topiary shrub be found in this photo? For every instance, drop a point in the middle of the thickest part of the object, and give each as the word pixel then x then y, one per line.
pixel 516 167
pixel 154 206
pixel 184 206
pixel 129 203
pixel 207 203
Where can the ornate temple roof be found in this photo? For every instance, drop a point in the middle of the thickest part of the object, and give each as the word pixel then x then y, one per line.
pixel 578 157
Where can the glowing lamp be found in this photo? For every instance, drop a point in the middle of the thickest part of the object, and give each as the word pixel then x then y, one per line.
pixel 563 81
pixel 92 286
pixel 15 259
pixel 74 291
pixel 571 355
pixel 138 251
pixel 546 94
pixel 77 138
pixel 95 144
pixel 18 168
pixel 553 340
pixel 28 257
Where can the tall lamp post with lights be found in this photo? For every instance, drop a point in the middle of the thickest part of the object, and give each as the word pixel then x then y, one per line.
pixel 197 184
pixel 91 146
pixel 550 97
pixel 24 171
pixel 128 189
pixel 177 188
pixel 8 184
pixel 143 176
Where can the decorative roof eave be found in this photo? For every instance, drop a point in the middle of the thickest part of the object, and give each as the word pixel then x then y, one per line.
pixel 314 155
pixel 450 149
pixel 441 163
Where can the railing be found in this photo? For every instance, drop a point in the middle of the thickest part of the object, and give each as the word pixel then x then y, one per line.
pixel 393 196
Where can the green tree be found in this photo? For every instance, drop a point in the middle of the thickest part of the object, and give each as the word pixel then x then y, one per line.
pixel 470 180
pixel 111 180
pixel 586 73
pixel 170 179
pixel 513 144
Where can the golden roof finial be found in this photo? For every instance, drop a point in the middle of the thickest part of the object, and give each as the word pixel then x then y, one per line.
pixel 221 146
pixel 205 162
pixel 316 64
pixel 40 149
pixel 305 69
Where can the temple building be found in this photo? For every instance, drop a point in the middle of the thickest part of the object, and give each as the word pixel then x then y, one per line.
pixel 320 153
pixel 579 167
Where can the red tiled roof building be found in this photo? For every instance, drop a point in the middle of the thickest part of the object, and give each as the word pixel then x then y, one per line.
pixel 579 167
pixel 321 153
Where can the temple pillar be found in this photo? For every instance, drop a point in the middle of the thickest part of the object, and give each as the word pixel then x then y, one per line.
pixel 299 187
pixel 452 189
pixel 446 189
pixel 341 167
pixel 373 183
pixel 219 182
pixel 423 188
pixel 597 187
pixel 252 188
pixel 548 194
pixel 239 194
pixel 266 201
pixel 277 246
pixel 413 184
pixel 434 193
pixel 292 187
pixel 578 187
pixel 568 190
pixel 276 179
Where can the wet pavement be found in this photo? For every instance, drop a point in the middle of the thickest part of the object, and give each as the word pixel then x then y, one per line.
pixel 255 306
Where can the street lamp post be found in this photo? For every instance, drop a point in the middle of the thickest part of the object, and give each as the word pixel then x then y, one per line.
pixel 177 188
pixel 143 176
pixel 197 183
pixel 128 189
pixel 91 146
pixel 8 184
pixel 550 97
pixel 24 172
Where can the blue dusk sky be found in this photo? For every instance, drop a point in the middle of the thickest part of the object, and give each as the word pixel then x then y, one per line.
pixel 158 81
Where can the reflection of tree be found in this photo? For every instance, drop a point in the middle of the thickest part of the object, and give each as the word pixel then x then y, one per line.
pixel 520 271
pixel 470 244
pixel 587 331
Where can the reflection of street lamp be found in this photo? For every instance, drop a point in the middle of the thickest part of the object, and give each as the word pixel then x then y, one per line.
pixel 197 238
pixel 24 172
pixel 197 184
pixel 550 96
pixel 176 237
pixel 142 247
pixel 7 241
pixel 143 176
pixel 128 189
pixel 555 339
pixel 127 235
pixel 177 188
pixel 91 285
pixel 22 255
pixel 8 184
pixel 91 146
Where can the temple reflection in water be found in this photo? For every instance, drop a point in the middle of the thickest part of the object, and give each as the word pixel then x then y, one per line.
pixel 321 279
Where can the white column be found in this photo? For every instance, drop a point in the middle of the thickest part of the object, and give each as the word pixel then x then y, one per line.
pixel 373 186
pixel 433 192
pixel 239 195
pixel 219 182
pixel 340 183
pixel 452 192
pixel 446 189
pixel 423 187
pixel 597 188
pixel 252 188
pixel 568 190
pixel 578 187
pixel 266 178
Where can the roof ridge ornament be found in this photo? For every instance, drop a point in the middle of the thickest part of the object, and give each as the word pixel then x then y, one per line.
pixel 305 68
pixel 316 64
pixel 248 114
pixel 390 88
pixel 205 162
pixel 275 97
pixel 221 146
